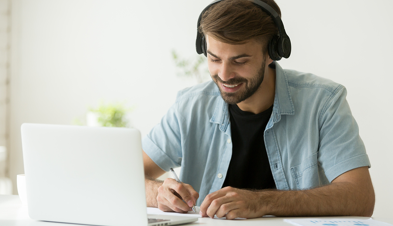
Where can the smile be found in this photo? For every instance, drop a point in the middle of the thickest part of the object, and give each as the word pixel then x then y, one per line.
pixel 230 86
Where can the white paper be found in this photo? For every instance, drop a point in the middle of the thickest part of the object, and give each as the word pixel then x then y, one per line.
pixel 335 222
pixel 156 211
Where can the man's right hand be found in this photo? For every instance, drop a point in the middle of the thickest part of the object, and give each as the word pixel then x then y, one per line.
pixel 171 195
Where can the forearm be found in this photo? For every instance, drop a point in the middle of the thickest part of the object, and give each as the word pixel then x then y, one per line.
pixel 151 187
pixel 334 199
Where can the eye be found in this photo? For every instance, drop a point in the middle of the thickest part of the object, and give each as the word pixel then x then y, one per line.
pixel 240 62
pixel 214 60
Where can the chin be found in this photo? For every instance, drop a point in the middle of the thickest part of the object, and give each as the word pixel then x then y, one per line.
pixel 230 98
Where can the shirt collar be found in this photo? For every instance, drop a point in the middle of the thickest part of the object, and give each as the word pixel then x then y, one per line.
pixel 283 104
pixel 221 114
pixel 282 98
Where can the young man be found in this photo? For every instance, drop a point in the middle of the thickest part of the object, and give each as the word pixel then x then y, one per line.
pixel 257 139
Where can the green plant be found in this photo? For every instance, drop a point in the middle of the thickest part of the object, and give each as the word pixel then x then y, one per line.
pixel 111 115
pixel 194 68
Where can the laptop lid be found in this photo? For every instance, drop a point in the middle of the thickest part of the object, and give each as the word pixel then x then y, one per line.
pixel 84 175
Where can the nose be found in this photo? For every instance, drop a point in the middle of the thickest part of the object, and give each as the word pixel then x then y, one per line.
pixel 225 72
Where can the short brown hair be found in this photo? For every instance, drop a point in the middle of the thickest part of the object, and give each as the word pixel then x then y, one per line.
pixel 238 21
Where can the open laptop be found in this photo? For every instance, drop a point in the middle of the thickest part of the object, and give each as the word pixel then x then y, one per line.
pixel 87 175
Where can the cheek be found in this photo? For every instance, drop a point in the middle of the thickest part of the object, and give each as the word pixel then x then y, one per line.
pixel 212 68
pixel 250 71
pixel 245 72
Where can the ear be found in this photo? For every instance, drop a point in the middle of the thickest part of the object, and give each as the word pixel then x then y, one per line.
pixel 266 55
pixel 268 60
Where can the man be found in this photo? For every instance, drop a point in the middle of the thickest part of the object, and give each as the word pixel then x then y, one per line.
pixel 257 139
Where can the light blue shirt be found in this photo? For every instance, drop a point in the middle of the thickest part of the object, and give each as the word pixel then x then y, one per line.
pixel 311 137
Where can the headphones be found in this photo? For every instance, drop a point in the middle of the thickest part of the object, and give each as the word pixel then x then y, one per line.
pixel 278 47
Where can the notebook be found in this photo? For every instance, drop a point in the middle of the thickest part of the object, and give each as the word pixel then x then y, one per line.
pixel 87 175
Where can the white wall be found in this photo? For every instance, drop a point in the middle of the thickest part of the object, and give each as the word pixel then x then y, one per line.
pixel 5 6
pixel 67 55
pixel 4 61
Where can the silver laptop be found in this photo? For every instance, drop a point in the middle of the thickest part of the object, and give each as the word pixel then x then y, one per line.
pixel 87 175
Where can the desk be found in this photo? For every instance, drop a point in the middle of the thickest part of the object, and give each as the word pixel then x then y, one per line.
pixel 13 213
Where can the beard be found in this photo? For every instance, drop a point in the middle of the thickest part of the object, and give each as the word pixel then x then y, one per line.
pixel 251 86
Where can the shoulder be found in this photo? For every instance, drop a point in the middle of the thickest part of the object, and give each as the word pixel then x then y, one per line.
pixel 202 92
pixel 312 94
pixel 199 103
pixel 309 82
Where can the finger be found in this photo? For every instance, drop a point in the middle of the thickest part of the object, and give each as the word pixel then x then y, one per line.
pixel 184 190
pixel 234 214
pixel 208 200
pixel 165 197
pixel 174 201
pixel 225 208
pixel 177 195
pixel 194 194
pixel 162 203
pixel 165 208
pixel 216 205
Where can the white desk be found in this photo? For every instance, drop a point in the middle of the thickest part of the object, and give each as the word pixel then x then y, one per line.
pixel 13 213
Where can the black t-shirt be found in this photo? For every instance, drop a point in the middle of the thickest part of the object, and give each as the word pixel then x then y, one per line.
pixel 249 167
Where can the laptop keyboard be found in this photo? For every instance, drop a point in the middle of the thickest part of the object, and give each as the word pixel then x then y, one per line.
pixel 155 220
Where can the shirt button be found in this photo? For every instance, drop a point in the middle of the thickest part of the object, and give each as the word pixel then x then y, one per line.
pixel 229 141
pixel 219 175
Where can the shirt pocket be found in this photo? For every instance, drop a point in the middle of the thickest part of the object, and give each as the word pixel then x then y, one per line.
pixel 306 174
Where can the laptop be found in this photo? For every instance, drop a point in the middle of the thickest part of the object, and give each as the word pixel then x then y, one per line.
pixel 87 175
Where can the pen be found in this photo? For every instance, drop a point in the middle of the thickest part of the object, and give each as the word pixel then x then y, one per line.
pixel 178 180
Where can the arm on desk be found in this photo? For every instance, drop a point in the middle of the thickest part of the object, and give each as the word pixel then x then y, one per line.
pixel 161 194
pixel 350 194
pixel 152 171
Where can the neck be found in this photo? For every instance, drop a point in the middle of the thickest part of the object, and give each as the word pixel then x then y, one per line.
pixel 263 98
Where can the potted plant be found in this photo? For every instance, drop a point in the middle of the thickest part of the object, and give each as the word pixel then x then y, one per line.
pixel 108 115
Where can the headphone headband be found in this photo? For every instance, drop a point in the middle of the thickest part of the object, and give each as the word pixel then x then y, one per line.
pixel 279 46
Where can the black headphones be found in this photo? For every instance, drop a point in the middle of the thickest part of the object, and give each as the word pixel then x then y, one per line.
pixel 279 46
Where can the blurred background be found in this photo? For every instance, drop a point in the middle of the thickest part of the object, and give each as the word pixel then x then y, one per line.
pixel 60 58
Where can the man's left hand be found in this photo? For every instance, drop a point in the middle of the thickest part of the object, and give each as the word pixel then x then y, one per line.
pixel 232 203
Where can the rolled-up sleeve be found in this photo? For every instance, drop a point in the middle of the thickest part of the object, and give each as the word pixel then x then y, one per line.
pixel 163 143
pixel 341 148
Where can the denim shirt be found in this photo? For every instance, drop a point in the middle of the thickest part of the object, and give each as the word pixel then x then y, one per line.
pixel 311 137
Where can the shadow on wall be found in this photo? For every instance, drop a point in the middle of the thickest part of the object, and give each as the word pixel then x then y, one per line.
pixel 5 183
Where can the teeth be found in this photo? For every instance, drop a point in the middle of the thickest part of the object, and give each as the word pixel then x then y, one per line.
pixel 230 86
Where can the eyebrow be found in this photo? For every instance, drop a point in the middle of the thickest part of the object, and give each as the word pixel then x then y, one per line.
pixel 232 58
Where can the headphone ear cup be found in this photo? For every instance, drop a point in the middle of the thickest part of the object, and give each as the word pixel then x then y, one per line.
pixel 272 49
pixel 203 45
pixel 284 47
pixel 280 47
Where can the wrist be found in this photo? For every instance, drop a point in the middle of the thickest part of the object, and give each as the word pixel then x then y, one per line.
pixel 151 187
pixel 267 201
